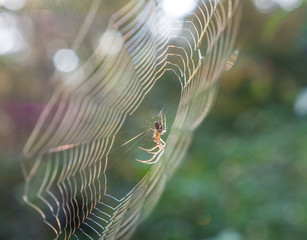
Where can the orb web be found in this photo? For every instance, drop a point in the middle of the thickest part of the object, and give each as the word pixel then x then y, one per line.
pixel 68 156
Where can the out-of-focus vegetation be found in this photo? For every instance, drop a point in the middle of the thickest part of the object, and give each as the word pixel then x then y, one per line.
pixel 245 174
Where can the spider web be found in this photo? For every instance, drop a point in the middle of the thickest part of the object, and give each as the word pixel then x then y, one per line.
pixel 67 157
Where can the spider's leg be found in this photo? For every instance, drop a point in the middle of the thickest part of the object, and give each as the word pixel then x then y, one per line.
pixel 163 143
pixel 150 161
pixel 149 150
pixel 153 153
pixel 147 161
pixel 158 158
pixel 162 119
pixel 164 125
pixel 153 157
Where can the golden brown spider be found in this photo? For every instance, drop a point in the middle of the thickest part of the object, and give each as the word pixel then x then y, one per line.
pixel 160 129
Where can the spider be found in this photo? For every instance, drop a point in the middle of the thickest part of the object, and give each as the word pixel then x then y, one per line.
pixel 160 129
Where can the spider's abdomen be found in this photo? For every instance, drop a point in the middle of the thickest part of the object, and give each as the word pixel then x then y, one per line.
pixel 156 136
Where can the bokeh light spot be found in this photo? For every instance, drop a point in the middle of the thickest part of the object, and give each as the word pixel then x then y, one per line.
pixel 289 5
pixel 228 234
pixel 265 6
pixel 178 9
pixel 65 60
pixel 300 105
pixel 110 43
pixel 13 5
pixel 268 6
pixel 11 40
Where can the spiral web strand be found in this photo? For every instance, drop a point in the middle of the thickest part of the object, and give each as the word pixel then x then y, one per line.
pixel 66 157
